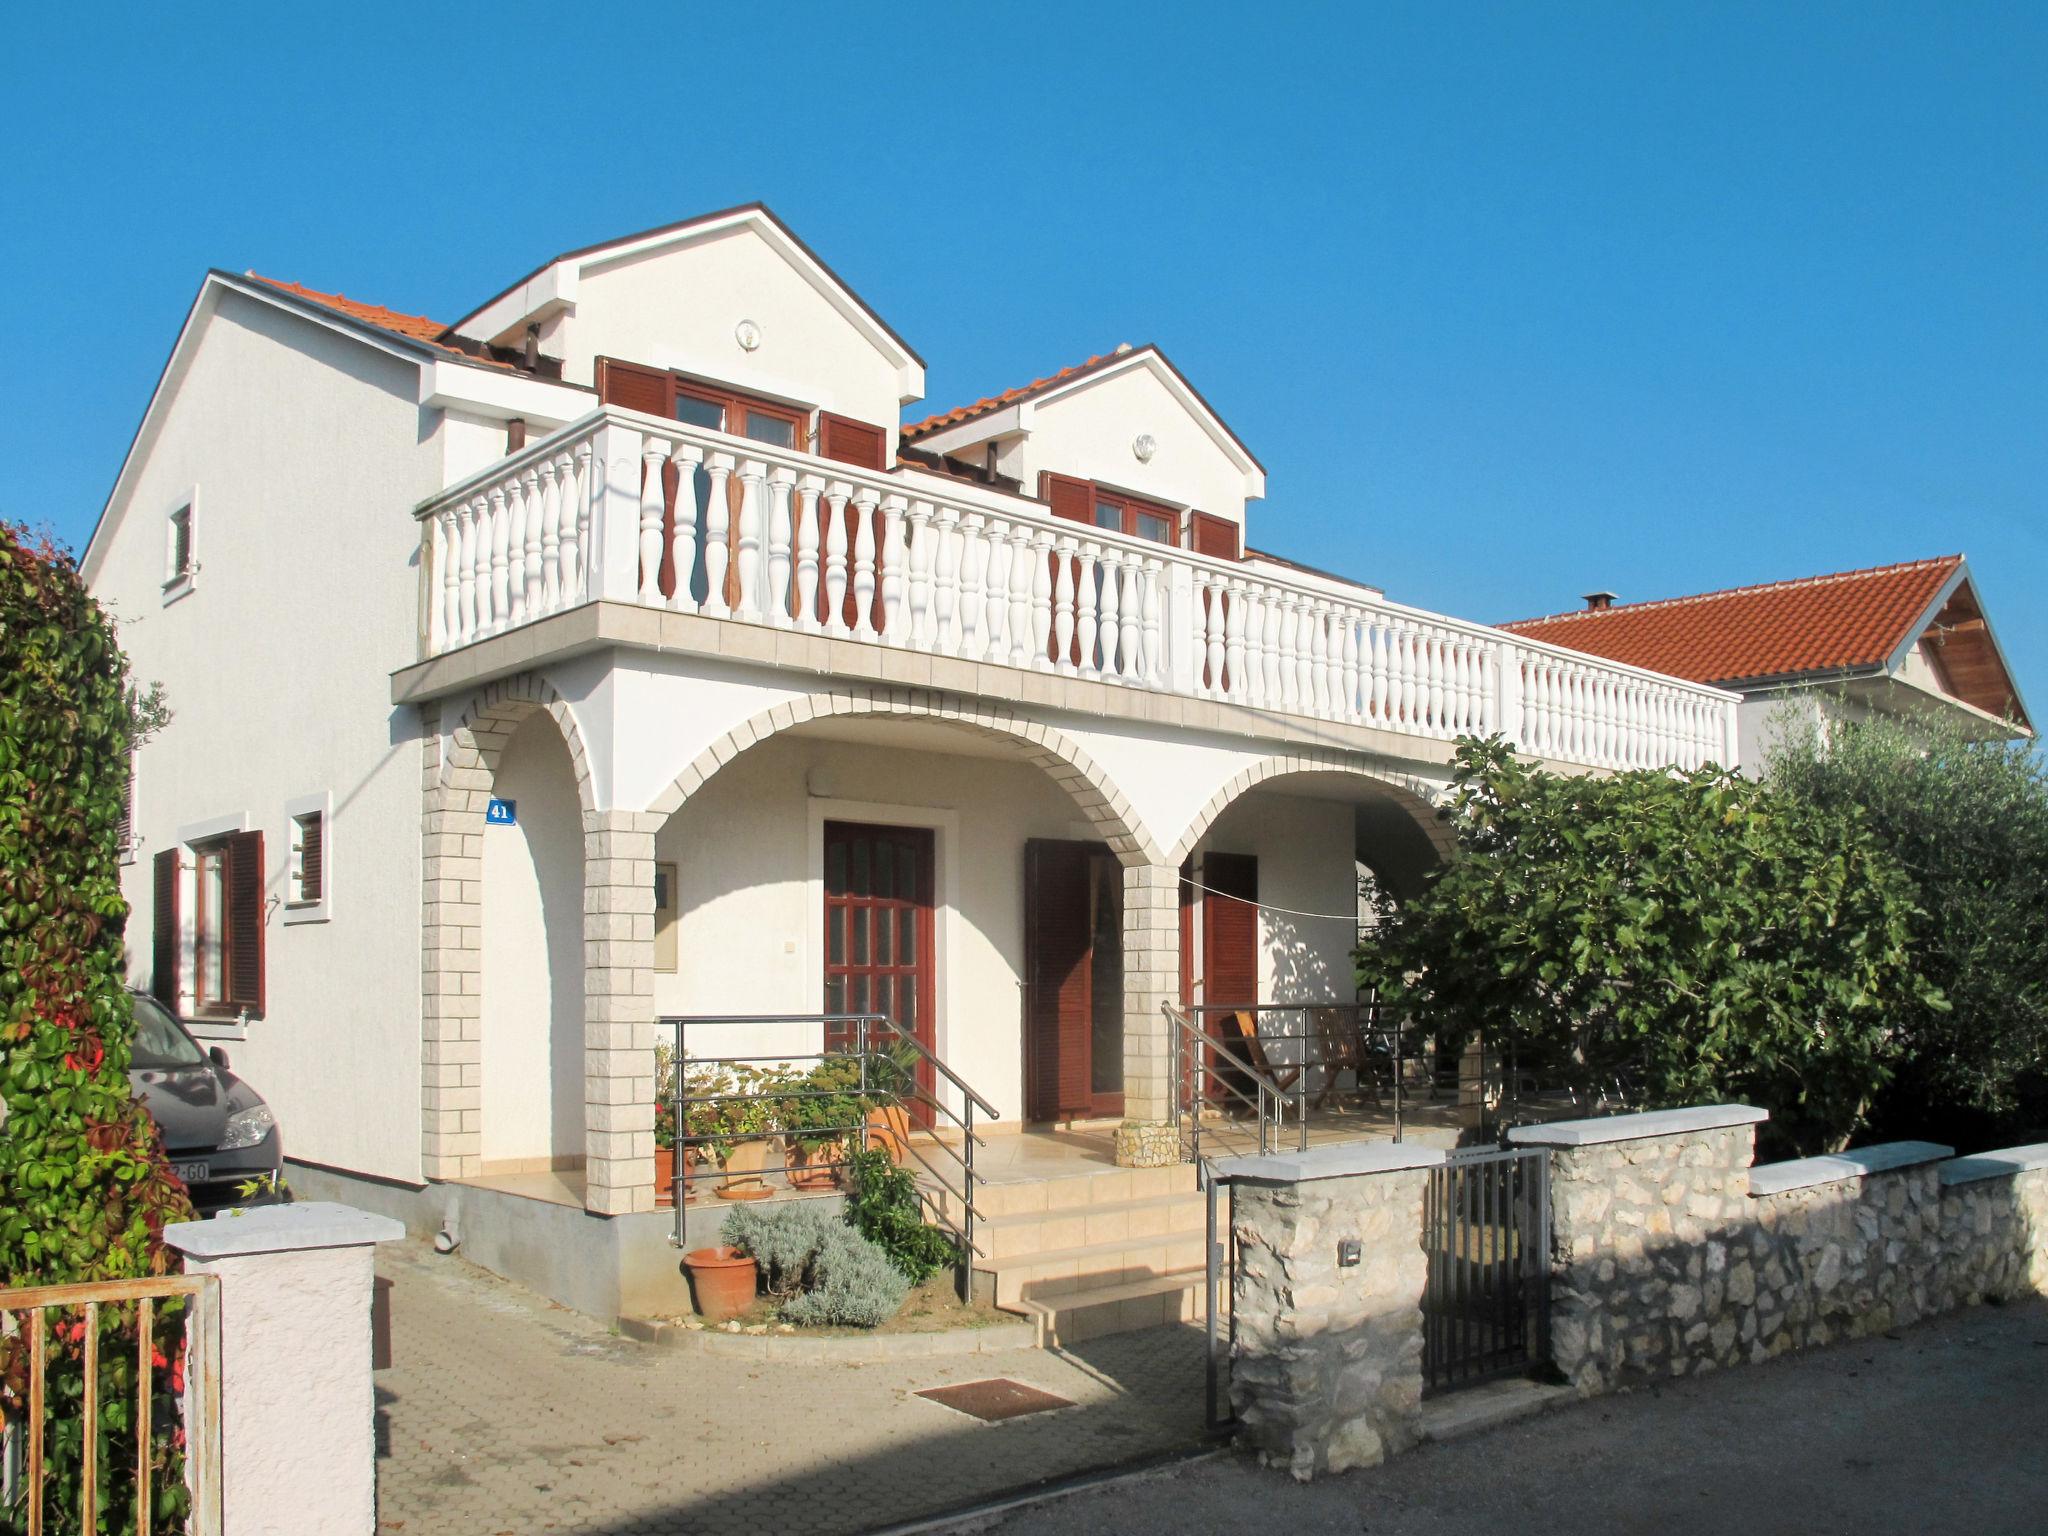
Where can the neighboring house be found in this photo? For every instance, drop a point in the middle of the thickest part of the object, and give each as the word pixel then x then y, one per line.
pixel 1909 641
pixel 613 653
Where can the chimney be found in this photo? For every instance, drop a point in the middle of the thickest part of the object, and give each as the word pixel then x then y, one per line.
pixel 1599 602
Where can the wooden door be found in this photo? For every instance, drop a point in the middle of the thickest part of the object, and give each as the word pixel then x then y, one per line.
pixel 1230 942
pixel 879 931
pixel 1073 981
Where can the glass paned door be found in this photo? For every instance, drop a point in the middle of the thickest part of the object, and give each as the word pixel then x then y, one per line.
pixel 878 929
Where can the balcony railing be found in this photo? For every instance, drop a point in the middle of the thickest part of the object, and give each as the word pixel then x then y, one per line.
pixel 634 509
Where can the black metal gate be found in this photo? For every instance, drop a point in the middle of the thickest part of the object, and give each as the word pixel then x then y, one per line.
pixel 1486 1231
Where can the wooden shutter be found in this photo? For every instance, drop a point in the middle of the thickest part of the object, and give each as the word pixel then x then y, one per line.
pixel 1230 928
pixel 1216 536
pixel 1069 498
pixel 633 387
pixel 124 829
pixel 852 442
pixel 166 945
pixel 242 923
pixel 312 856
pixel 1057 988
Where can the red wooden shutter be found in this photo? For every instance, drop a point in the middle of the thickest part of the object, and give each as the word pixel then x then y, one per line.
pixel 312 847
pixel 852 442
pixel 1057 991
pixel 242 924
pixel 1070 498
pixel 1230 928
pixel 633 387
pixel 166 944
pixel 1216 536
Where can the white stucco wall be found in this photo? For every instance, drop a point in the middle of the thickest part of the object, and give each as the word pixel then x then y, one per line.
pixel 533 955
pixel 307 453
pixel 1089 433
pixel 679 308
pixel 1306 866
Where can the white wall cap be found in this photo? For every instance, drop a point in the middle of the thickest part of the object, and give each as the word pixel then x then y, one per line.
pixel 1333 1162
pixel 1994 1165
pixel 543 403
pixel 281 1229
pixel 1656 1122
pixel 1806 1172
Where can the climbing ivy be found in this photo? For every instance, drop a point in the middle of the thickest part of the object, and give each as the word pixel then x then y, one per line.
pixel 84 1187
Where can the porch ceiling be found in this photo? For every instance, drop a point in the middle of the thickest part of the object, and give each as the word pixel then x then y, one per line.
pixel 909 736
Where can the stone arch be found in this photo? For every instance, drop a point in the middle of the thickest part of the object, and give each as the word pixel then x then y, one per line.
pixel 1415 796
pixel 1059 755
pixel 460 763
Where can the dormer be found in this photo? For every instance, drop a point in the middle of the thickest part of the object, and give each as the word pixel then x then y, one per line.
pixel 729 321
pixel 1121 441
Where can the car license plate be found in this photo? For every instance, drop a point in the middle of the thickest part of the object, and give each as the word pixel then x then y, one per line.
pixel 190 1173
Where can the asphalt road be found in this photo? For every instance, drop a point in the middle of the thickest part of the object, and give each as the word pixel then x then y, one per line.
pixel 1940 1428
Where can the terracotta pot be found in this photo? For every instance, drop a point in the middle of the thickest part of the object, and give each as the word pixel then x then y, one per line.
pixel 889 1130
pixel 804 1175
pixel 744 1166
pixel 722 1280
pixel 664 1177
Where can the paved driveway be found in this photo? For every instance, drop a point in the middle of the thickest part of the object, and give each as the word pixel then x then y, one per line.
pixel 502 1413
pixel 1942 1428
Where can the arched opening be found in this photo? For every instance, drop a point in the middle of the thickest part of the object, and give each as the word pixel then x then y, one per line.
pixel 532 1102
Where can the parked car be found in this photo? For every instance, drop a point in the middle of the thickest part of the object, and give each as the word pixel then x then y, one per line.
pixel 217 1130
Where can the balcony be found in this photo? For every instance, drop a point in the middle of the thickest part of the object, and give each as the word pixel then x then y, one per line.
pixel 626 508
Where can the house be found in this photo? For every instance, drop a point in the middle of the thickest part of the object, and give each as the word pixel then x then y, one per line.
pixel 613 653
pixel 1909 641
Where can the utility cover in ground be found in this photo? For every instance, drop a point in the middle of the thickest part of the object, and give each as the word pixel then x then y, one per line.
pixel 997 1398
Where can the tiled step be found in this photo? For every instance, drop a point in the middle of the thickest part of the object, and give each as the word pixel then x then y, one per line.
pixel 1158 1301
pixel 1020 1233
pixel 1063 1271
pixel 1065 1192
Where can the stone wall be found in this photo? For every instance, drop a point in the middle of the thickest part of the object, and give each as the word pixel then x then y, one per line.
pixel 1994 1227
pixel 1326 1364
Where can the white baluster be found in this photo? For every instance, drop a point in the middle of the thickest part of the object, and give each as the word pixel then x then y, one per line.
pixel 753 521
pixel 1088 578
pixel 1318 656
pixel 946 580
pixel 922 536
pixel 1131 617
pixel 1020 595
pixel 682 540
pixel 498 593
pixel 575 517
pixel 1063 598
pixel 1273 616
pixel 1348 619
pixel 1250 683
pixel 894 559
pixel 974 560
pixel 837 570
pixel 1156 659
pixel 996 606
pixel 435 555
pixel 1234 615
pixel 807 537
pixel 1290 641
pixel 777 600
pixel 474 563
pixel 513 610
pixel 1040 559
pixel 450 573
pixel 1209 676
pixel 551 488
pixel 652 505
pixel 532 512
pixel 865 499
pixel 1112 600
pixel 717 534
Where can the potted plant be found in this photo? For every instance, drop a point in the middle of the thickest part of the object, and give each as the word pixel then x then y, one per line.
pixel 723 1280
pixel 892 1087
pixel 735 1118
pixel 822 1108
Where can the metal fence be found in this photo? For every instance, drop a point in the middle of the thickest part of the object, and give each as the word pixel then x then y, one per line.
pixel 1486 1233
pixel 45 1329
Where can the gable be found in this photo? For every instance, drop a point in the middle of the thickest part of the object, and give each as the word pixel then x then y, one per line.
pixel 1091 431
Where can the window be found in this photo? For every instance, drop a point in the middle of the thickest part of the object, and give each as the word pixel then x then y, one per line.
pixel 701 404
pixel 1083 501
pixel 227 925
pixel 179 561
pixel 664 917
pixel 125 829
pixel 309 877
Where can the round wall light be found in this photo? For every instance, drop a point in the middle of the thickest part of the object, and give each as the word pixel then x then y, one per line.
pixel 748 335
pixel 1144 447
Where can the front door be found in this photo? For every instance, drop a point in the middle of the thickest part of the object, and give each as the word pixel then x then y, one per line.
pixel 1073 981
pixel 1224 887
pixel 878 932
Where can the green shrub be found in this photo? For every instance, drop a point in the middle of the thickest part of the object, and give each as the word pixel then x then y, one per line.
pixel 885 1207
pixel 84 1188
pixel 820 1270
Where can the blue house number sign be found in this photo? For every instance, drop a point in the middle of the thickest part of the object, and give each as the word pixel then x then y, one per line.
pixel 502 813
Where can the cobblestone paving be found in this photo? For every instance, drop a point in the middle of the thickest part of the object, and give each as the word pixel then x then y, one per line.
pixel 504 1414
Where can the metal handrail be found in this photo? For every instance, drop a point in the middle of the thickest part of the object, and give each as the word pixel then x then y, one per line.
pixel 868 1044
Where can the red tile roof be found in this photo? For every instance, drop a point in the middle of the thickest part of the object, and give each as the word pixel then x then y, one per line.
pixel 983 406
pixel 411 327
pixel 1821 624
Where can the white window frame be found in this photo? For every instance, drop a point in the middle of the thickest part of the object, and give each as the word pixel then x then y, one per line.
pixel 202 1027
pixel 179 583
pixel 295 912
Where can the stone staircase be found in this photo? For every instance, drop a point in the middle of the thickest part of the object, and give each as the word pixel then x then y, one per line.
pixel 1087 1254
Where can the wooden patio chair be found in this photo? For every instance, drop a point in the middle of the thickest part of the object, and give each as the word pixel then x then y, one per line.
pixel 1341 1046
pixel 1248 1045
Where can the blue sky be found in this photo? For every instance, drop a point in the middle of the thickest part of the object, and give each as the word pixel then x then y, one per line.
pixel 1513 302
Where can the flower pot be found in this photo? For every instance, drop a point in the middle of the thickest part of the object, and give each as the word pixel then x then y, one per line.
pixel 664 1177
pixel 722 1280
pixel 805 1170
pixel 744 1166
pixel 889 1130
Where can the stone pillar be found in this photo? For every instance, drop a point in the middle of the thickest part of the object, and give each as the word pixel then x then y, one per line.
pixel 451 962
pixel 1151 979
pixel 618 1003
pixel 1326 1365
pixel 298 1410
